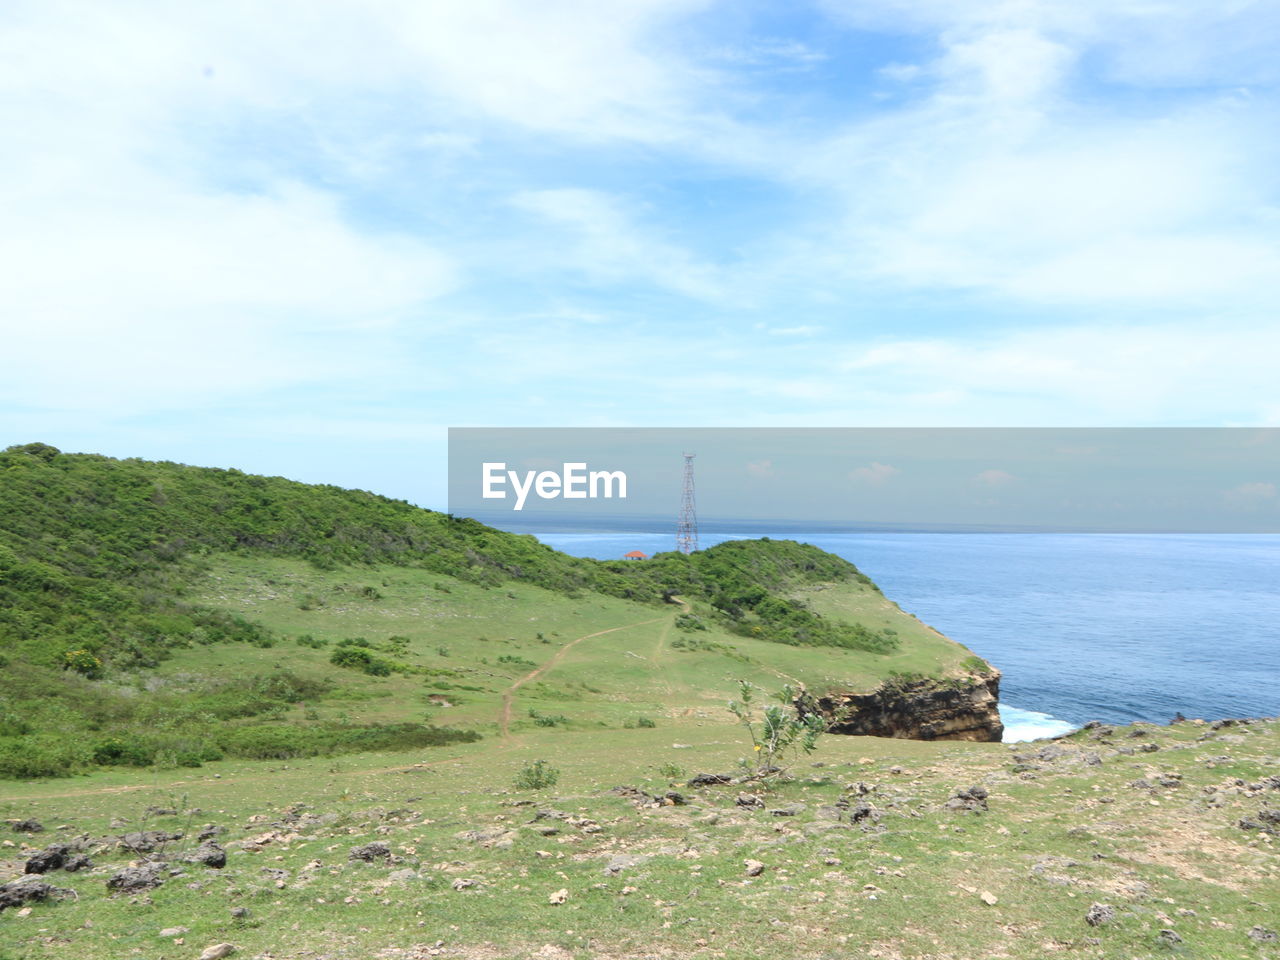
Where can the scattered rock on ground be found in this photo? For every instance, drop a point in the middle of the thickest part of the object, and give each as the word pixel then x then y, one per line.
pixel 623 861
pixel 210 854
pixel 28 889
pixel 1262 935
pixel 52 857
pixel 709 779
pixel 974 798
pixel 218 951
pixel 28 826
pixel 131 879
pixel 145 841
pixel 753 868
pixel 790 810
pixel 377 850
pixel 170 932
pixel 1099 913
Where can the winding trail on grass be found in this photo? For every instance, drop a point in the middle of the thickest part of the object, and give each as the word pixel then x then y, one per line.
pixel 509 695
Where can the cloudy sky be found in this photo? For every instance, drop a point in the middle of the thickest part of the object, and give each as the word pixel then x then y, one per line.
pixel 306 237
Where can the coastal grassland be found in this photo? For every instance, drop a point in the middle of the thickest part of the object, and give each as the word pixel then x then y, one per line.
pixel 466 644
pixel 156 613
pixel 1143 819
pixel 921 650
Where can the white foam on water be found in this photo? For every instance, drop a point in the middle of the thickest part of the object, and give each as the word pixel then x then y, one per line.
pixel 1022 725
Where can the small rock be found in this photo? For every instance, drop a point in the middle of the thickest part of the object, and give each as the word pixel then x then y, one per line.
pixel 749 800
pixel 709 779
pixel 1169 938
pixel 144 876
pixel 1099 913
pixel 623 861
pixel 974 799
pixel 239 913
pixel 989 898
pixel 1263 935
pixel 462 883
pixel 753 868
pixel 208 853
pixel 144 841
pixel 169 933
pixel 28 826
pixel 24 890
pixel 377 850
pixel 559 897
pixel 52 857
pixel 77 861
pixel 218 951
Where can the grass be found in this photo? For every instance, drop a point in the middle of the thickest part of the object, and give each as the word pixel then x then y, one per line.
pixel 1059 835
pixel 912 886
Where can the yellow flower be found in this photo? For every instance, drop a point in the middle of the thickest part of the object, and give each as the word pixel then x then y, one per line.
pixel 757 748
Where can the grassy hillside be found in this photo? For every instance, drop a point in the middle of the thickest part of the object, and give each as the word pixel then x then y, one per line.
pixel 154 613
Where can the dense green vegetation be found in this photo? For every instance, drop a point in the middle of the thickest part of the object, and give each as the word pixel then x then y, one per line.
pixel 99 558
pixel 95 554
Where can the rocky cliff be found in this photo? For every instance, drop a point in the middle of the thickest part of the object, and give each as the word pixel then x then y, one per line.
pixel 964 708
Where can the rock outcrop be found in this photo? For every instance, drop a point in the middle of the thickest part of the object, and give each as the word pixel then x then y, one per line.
pixel 963 708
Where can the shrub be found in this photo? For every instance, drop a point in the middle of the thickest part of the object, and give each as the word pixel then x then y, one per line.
pixel 83 662
pixel 357 658
pixel 547 719
pixel 778 733
pixel 537 776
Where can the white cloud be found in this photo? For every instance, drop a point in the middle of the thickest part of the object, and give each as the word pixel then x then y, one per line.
pixel 611 245
pixel 995 478
pixel 1007 174
pixel 1251 494
pixel 875 474
pixel 760 468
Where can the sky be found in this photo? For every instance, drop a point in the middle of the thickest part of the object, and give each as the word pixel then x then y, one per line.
pixel 305 238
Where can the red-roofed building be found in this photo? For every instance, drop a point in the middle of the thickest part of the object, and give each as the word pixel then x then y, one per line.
pixel 635 555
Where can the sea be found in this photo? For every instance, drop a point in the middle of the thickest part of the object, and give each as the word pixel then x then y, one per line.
pixel 1083 627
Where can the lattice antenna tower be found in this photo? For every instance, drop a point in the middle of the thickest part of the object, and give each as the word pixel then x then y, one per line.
pixel 687 526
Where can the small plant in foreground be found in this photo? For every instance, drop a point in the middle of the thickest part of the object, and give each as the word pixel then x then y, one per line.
pixel 778 734
pixel 537 775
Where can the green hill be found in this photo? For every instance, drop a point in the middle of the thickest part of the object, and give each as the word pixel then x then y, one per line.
pixel 379 684
pixel 162 613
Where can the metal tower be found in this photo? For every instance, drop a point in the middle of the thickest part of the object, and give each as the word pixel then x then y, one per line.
pixel 687 525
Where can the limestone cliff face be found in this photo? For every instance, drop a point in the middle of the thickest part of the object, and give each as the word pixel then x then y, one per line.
pixel 960 709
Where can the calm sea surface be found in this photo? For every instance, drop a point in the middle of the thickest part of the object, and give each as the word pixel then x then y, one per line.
pixel 1084 627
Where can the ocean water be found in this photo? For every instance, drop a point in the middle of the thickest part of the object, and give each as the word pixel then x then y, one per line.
pixel 1083 626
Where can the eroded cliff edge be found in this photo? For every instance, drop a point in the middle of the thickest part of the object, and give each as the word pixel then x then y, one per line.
pixel 954 708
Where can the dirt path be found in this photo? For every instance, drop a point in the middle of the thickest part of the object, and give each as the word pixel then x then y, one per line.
pixel 509 695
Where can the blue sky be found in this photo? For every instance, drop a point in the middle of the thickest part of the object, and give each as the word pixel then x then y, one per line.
pixel 306 238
